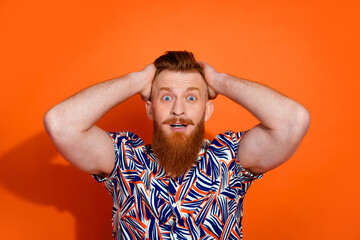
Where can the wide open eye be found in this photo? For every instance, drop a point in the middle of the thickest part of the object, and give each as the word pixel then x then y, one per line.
pixel 166 98
pixel 191 98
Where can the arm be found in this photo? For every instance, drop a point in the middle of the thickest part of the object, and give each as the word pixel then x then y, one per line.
pixel 283 122
pixel 70 124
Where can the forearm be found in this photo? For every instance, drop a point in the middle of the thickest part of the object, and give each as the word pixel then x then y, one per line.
pixel 80 111
pixel 273 109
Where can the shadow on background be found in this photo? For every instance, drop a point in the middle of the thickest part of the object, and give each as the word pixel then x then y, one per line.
pixel 28 171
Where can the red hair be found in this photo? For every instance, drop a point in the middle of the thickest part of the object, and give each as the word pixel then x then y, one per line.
pixel 177 61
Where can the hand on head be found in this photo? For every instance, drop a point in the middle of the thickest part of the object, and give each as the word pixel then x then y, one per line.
pixel 147 74
pixel 210 78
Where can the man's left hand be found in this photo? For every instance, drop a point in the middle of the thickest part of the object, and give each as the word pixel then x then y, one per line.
pixel 212 78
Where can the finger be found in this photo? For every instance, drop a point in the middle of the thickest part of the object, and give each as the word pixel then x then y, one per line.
pixel 202 63
pixel 144 98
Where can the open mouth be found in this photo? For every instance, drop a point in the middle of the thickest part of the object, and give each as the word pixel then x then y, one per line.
pixel 177 125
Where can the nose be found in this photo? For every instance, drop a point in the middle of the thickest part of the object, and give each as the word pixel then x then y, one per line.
pixel 178 108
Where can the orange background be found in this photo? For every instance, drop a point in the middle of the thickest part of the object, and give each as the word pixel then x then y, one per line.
pixel 308 50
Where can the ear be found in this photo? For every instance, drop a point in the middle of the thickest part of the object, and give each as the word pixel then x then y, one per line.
pixel 149 110
pixel 209 110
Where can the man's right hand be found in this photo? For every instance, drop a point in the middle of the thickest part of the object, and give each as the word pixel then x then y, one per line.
pixel 146 75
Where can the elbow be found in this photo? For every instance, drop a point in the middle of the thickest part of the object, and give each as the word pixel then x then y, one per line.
pixel 52 123
pixel 303 119
pixel 298 127
pixel 49 122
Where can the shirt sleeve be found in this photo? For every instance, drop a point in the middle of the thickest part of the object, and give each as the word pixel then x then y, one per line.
pixel 117 139
pixel 246 175
pixel 224 148
pixel 127 166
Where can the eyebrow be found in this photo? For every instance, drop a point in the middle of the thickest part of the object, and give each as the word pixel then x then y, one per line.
pixel 193 88
pixel 188 89
pixel 165 88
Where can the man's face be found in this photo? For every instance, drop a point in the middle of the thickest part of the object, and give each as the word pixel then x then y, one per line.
pixel 178 108
pixel 179 95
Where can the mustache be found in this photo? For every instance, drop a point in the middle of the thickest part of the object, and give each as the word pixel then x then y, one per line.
pixel 174 120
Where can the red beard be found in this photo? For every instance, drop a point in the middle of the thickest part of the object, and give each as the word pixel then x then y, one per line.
pixel 177 152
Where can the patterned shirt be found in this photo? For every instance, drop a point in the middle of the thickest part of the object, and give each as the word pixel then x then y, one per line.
pixel 204 203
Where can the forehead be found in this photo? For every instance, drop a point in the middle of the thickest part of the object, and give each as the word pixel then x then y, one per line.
pixel 179 80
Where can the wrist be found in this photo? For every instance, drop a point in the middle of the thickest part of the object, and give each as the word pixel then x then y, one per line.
pixel 135 82
pixel 143 81
pixel 219 83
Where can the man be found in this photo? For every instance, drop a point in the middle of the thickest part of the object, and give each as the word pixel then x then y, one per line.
pixel 181 186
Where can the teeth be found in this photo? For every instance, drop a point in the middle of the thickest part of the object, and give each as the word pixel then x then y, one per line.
pixel 177 125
